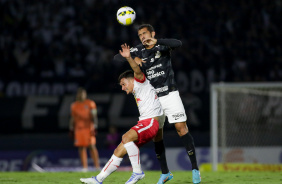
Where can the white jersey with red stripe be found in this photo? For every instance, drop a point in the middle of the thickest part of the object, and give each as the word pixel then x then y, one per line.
pixel 146 98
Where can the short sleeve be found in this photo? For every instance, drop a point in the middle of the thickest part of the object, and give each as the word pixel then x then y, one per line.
pixel 92 104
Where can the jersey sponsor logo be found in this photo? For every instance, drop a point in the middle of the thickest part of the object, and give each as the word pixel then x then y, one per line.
pixel 178 115
pixel 154 67
pixel 162 89
pixel 154 75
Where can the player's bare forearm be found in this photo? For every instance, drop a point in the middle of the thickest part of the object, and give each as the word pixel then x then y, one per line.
pixel 96 122
pixel 125 52
pixel 95 118
pixel 137 71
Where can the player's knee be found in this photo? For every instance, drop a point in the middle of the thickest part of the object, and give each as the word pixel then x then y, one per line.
pixel 92 147
pixel 159 147
pixel 181 128
pixel 126 138
pixel 159 136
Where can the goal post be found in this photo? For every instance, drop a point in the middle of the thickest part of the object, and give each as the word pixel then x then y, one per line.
pixel 246 120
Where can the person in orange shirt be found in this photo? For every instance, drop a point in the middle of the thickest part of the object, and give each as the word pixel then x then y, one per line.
pixel 83 126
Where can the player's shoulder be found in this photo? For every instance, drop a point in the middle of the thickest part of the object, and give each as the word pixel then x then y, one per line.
pixel 90 102
pixel 73 105
pixel 137 48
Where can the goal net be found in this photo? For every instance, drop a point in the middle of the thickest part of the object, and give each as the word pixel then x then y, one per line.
pixel 246 123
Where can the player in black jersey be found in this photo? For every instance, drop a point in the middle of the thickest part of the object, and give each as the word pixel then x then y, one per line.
pixel 154 58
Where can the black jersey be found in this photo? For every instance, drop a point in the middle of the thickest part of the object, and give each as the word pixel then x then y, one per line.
pixel 158 67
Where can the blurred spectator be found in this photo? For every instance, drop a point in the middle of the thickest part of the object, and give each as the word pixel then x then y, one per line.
pixel 233 40
pixel 113 138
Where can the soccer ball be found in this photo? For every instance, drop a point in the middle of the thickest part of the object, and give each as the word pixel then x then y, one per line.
pixel 126 16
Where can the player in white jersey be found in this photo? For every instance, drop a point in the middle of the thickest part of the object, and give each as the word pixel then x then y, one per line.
pixel 146 129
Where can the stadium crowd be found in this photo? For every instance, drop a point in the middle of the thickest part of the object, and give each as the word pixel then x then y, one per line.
pixel 232 40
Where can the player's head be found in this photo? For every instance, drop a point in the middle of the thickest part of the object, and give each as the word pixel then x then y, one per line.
pixel 81 94
pixel 146 31
pixel 126 80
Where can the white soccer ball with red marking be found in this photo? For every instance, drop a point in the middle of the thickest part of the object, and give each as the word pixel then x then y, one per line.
pixel 126 15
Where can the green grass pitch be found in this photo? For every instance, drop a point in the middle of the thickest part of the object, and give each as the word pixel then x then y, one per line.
pixel 180 177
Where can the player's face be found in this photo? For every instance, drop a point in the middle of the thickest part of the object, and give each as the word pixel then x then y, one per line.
pixel 144 34
pixel 126 85
pixel 81 95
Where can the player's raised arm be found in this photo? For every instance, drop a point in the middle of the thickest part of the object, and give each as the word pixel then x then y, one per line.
pixel 125 52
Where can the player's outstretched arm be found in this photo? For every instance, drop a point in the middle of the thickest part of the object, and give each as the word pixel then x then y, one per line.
pixel 125 52
pixel 172 43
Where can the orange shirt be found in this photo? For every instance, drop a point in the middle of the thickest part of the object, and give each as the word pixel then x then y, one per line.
pixel 81 113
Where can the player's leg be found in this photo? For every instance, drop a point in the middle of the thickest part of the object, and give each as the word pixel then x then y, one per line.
pixel 134 156
pixel 175 112
pixel 95 156
pixel 142 133
pixel 111 166
pixel 83 157
pixel 160 152
pixel 188 142
pixel 161 156
pixel 132 150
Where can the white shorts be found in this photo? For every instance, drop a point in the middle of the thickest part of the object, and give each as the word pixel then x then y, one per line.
pixel 173 108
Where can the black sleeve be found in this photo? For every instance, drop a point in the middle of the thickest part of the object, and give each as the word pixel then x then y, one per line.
pixel 119 57
pixel 172 43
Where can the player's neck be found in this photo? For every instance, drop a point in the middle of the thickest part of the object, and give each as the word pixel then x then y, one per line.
pixel 80 100
pixel 149 46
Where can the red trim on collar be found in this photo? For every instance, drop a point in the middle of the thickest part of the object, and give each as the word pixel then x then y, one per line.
pixel 141 81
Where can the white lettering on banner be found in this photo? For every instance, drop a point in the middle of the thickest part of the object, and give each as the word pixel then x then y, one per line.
pixel 39 106
pixel 31 109
pixel 16 88
pixel 12 165
pixel 64 112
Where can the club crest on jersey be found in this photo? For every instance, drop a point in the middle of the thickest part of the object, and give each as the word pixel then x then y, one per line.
pixel 158 55
pixel 85 106
pixel 137 100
